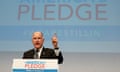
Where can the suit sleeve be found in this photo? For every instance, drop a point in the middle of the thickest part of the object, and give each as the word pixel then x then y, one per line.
pixel 60 58
pixel 59 55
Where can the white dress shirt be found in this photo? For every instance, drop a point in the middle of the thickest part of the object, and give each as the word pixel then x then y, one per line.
pixel 40 51
pixel 57 52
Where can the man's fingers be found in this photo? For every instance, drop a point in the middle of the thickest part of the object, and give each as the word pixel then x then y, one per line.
pixel 54 38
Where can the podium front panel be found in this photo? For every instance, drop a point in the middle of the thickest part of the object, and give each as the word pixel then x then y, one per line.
pixel 35 65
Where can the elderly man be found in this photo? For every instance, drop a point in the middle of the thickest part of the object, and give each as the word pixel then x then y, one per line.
pixel 40 52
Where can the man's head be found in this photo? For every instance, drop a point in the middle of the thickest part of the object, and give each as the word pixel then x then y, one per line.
pixel 37 39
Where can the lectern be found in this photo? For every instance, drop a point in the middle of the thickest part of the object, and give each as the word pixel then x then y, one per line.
pixel 35 65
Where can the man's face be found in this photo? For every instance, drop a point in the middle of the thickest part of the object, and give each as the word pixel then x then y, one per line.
pixel 37 39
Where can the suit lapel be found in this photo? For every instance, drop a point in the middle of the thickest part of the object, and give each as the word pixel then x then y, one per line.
pixel 42 53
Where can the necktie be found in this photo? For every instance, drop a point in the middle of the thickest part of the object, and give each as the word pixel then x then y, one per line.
pixel 36 54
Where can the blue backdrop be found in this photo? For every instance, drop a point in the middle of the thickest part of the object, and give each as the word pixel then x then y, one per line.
pixel 81 25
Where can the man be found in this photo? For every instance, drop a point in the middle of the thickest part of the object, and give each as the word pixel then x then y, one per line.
pixel 40 52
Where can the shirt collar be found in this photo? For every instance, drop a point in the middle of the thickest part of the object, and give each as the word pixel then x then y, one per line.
pixel 40 49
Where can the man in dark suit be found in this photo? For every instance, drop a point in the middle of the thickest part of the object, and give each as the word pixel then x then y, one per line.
pixel 40 52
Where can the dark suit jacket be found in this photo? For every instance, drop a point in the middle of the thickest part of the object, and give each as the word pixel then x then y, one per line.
pixel 46 53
